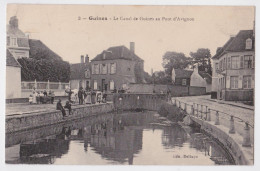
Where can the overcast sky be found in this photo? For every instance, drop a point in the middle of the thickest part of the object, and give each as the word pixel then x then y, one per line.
pixel 59 28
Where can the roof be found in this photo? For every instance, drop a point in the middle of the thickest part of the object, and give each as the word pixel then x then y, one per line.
pixel 39 50
pixel 14 31
pixel 237 43
pixel 206 76
pixel 77 71
pixel 181 73
pixel 22 39
pixel 10 60
pixel 117 52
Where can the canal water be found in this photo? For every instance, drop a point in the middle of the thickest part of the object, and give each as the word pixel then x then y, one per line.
pixel 125 139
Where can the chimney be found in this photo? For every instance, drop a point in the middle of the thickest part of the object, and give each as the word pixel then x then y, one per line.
pixel 104 54
pixel 82 59
pixel 196 68
pixel 218 49
pixel 13 22
pixel 86 59
pixel 132 47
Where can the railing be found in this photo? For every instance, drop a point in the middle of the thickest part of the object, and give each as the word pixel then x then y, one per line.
pixel 29 85
pixel 204 113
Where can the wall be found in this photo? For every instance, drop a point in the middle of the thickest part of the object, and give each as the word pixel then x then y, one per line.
pixel 197 91
pixel 138 101
pixel 34 120
pixel 239 95
pixel 57 92
pixel 198 81
pixel 74 84
pixel 13 82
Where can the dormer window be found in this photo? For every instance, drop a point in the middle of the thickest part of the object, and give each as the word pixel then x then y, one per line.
pixel 13 41
pixel 248 43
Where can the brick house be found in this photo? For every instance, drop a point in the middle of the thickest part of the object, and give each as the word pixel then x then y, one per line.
pixel 233 68
pixel 116 67
pixel 80 74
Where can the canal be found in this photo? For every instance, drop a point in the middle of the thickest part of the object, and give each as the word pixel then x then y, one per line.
pixel 126 139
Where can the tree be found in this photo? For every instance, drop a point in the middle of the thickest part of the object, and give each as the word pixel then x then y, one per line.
pixel 160 77
pixel 202 57
pixel 174 60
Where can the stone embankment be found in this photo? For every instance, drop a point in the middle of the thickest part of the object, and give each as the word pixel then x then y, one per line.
pixel 223 127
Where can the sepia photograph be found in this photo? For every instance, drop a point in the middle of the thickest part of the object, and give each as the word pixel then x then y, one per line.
pixel 129 85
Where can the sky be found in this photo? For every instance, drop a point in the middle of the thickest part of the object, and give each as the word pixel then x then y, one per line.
pixel 59 27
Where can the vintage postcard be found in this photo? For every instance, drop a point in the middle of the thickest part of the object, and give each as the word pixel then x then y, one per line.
pixel 129 85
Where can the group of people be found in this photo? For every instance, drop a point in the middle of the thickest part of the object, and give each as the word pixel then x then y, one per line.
pixel 86 96
pixel 41 97
pixel 62 109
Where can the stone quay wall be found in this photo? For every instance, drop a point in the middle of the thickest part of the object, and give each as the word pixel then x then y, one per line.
pixel 23 122
pixel 121 102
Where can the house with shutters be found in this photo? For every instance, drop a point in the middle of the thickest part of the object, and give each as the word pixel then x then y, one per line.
pixel 116 68
pixel 233 72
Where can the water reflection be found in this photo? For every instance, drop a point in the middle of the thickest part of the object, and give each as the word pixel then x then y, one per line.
pixel 114 139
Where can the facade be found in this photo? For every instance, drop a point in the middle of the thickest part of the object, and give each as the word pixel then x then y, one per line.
pixel 233 68
pixel 201 79
pixel 181 77
pixel 115 68
pixel 13 77
pixel 17 42
pixel 80 74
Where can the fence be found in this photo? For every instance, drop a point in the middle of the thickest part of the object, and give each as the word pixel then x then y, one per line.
pixel 204 113
pixel 57 87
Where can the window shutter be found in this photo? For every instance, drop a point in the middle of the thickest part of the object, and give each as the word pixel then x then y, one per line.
pixel 241 61
pixel 93 69
pixel 240 81
pixel 253 61
pixel 108 68
pixel 100 68
pixel 115 68
pixel 252 81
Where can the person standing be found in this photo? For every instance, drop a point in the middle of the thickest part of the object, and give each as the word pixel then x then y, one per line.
pixel 80 96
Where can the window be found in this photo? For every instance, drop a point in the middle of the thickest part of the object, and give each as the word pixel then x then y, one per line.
pixel 95 85
pixel 13 41
pixel 234 82
pixel 224 64
pixel 228 63
pixel 217 67
pixel 96 69
pixel 248 43
pixel 112 85
pixel 248 59
pixel 247 82
pixel 113 68
pixel 104 68
pixel 184 82
pixel 234 62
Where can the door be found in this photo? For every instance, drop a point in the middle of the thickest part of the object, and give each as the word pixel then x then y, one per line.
pixel 103 85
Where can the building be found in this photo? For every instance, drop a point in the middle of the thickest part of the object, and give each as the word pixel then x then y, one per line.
pixel 233 68
pixel 181 77
pixel 13 77
pixel 17 45
pixel 116 67
pixel 201 79
pixel 17 42
pixel 80 74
